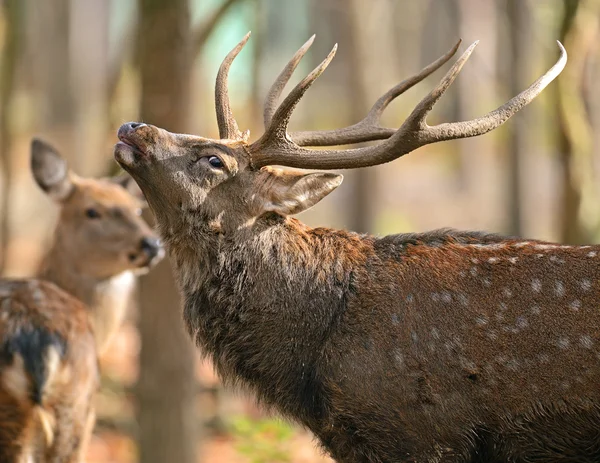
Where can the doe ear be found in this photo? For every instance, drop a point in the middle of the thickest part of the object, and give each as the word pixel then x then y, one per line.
pixel 131 186
pixel 50 171
pixel 291 192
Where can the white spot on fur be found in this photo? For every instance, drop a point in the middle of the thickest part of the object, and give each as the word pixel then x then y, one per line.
pixel 536 285
pixel 563 343
pixel 545 247
pixel 399 358
pixel 475 261
pixel 592 254
pixel 463 299
pixel 473 271
pixel 410 298
pixel 586 341
pixel 559 288
pixel 493 260
pixel 506 292
pixel 535 310
pixel 522 244
pixel 575 305
pixel 481 320
pixel 586 284
pixel 435 334
pixel 513 260
pixel 487 282
pixel 513 364
pixel 557 260
pixel 446 297
pixel 522 323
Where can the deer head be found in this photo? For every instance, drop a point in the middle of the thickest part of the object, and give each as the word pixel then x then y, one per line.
pixel 100 219
pixel 229 182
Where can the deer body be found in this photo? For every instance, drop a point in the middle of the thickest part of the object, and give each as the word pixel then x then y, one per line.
pixel 446 346
pixel 438 347
pixel 48 373
pixel 53 329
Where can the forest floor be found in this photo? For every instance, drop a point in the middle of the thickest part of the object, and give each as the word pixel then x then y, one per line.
pixel 249 436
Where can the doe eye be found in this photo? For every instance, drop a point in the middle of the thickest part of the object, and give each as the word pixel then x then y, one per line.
pixel 215 162
pixel 92 213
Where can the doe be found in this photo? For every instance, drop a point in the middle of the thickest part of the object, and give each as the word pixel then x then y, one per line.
pixel 53 328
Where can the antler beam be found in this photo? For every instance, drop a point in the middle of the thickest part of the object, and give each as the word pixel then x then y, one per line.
pixel 276 146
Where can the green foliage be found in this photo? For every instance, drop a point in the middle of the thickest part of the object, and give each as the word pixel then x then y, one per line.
pixel 262 441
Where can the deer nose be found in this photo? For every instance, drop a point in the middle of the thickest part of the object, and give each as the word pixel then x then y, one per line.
pixel 151 246
pixel 129 127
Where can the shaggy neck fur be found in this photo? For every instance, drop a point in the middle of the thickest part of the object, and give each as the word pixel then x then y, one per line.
pixel 106 298
pixel 248 296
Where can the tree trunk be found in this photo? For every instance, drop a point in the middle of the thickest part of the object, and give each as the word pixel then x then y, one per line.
pixel 166 388
pixel 575 136
pixel 362 214
pixel 519 18
pixel 51 71
pixel 12 11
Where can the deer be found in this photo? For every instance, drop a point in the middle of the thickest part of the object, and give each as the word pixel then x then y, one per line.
pixel 442 346
pixel 54 328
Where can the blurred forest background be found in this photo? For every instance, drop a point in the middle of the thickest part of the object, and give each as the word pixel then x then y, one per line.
pixel 72 71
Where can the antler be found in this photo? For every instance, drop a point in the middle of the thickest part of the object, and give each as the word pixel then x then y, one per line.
pixel 369 128
pixel 276 146
pixel 228 127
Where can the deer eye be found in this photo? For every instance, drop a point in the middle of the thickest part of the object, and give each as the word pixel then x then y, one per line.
pixel 92 213
pixel 216 162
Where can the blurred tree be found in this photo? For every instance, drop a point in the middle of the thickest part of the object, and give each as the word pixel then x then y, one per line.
pixel 89 57
pixel 13 10
pixel 363 210
pixel 578 31
pixel 50 30
pixel 520 24
pixel 167 385
pixel 167 47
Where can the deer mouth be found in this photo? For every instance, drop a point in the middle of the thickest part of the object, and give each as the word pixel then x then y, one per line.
pixel 128 151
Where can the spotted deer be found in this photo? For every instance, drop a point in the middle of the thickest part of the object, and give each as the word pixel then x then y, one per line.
pixel 447 346
pixel 53 328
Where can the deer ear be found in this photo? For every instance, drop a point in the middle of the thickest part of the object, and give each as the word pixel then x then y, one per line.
pixel 127 182
pixel 293 192
pixel 50 171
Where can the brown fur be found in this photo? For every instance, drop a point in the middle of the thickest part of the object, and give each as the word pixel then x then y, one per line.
pixel 445 346
pixel 52 330
pixel 49 424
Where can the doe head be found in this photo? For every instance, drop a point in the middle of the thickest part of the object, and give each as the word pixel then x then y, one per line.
pixel 100 225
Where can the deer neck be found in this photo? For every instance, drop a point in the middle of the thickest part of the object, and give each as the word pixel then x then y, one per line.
pixel 107 298
pixel 243 305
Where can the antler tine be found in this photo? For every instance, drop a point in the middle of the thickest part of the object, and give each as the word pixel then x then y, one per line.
pixel 498 116
pixel 228 127
pixel 281 81
pixel 279 122
pixel 370 129
pixel 275 147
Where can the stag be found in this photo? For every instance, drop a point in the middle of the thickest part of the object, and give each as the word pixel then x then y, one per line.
pixel 446 346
